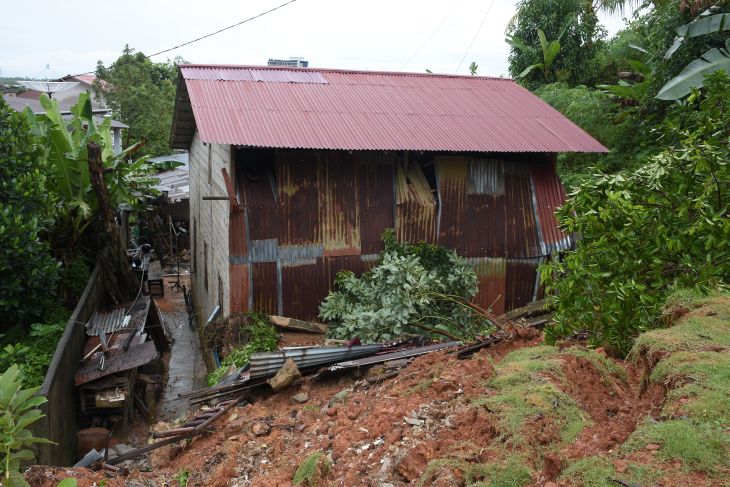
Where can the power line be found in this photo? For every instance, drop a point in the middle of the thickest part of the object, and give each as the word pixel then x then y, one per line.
pixel 211 34
pixel 432 34
pixel 479 29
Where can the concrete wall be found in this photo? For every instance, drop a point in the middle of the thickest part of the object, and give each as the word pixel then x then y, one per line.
pixel 61 421
pixel 209 226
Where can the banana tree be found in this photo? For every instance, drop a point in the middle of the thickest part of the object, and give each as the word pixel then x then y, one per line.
pixel 706 23
pixel 550 49
pixel 694 74
pixel 67 140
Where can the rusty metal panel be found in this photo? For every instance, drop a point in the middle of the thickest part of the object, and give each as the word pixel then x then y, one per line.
pixel 294 255
pixel 303 287
pixel 520 226
pixel 491 274
pixel 549 195
pixel 451 174
pixel 264 250
pixel 415 206
pixel 520 283
pixel 298 215
pixel 486 177
pixel 265 287
pixel 260 106
pixel 375 186
pixel 339 216
pixel 118 361
pixel 256 182
pixel 239 283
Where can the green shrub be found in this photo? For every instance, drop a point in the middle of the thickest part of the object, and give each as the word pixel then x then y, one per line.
pixel 27 270
pixel 17 412
pixel 32 350
pixel 261 336
pixel 414 289
pixel 649 231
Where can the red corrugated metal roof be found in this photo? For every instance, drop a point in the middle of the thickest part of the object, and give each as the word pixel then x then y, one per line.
pixel 357 110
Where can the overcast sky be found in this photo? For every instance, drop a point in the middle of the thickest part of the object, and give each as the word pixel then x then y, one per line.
pixel 73 35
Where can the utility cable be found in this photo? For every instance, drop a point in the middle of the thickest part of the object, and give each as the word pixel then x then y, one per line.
pixel 207 35
pixel 479 29
pixel 432 34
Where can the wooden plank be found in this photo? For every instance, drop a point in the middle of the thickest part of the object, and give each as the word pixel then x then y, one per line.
pixel 298 325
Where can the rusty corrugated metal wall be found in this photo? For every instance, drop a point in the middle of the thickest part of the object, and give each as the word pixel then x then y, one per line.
pixel 308 214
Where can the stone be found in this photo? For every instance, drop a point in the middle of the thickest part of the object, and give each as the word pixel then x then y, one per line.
pixel 332 412
pixel 413 421
pixel 121 449
pixel 261 429
pixel 285 376
pixel 300 398
pixel 339 397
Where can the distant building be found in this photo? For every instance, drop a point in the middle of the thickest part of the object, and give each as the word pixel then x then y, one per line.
pixel 292 62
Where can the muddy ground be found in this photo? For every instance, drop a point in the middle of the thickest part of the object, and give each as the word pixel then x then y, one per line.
pixel 520 413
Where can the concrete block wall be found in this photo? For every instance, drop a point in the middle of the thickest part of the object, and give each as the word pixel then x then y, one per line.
pixel 209 221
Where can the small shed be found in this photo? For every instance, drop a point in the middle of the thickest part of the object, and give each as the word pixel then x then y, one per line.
pixel 296 173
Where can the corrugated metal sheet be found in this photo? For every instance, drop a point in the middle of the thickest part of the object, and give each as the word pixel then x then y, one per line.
pixel 333 109
pixel 549 196
pixel 376 199
pixel 491 273
pixel 415 218
pixel 520 226
pixel 329 211
pixel 267 363
pixel 339 215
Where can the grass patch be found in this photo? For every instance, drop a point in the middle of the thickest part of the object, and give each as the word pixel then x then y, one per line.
pixel 421 386
pixel 700 446
pixel 703 379
pixel 598 472
pixel 523 393
pixel 511 472
pixel 311 470
pixel 707 325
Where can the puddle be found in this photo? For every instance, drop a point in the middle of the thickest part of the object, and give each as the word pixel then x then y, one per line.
pixel 186 370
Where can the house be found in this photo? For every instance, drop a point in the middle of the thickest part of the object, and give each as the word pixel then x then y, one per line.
pixel 84 83
pixel 19 103
pixel 296 173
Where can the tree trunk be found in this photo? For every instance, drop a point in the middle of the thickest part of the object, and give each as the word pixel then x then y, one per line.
pixel 119 281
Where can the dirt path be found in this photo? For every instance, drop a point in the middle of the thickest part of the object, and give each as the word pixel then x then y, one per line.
pixel 186 370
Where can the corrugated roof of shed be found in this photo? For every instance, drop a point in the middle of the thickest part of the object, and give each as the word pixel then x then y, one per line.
pixel 308 108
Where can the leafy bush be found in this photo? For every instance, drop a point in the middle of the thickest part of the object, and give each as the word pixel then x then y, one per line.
pixel 415 289
pixel 27 270
pixel 32 350
pixel 255 330
pixel 649 231
pixel 17 412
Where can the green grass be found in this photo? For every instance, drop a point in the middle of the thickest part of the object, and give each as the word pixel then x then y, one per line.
pixel 700 446
pixel 522 393
pixel 708 325
pixel 511 472
pixel 701 385
pixel 598 472
pixel 311 470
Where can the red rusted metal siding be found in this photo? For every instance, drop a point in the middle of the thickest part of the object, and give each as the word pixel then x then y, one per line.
pixel 375 189
pixel 491 274
pixel 520 226
pixel 334 109
pixel 311 214
pixel 303 288
pixel 339 215
pixel 296 174
pixel 415 219
pixel 265 287
pixel 549 196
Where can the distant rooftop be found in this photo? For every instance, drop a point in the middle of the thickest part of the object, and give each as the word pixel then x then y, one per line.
pixel 19 104
pixel 292 62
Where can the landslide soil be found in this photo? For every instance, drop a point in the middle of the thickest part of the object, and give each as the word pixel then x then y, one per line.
pixel 425 425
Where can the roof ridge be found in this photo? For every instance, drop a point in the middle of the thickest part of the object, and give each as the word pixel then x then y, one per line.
pixel 343 71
